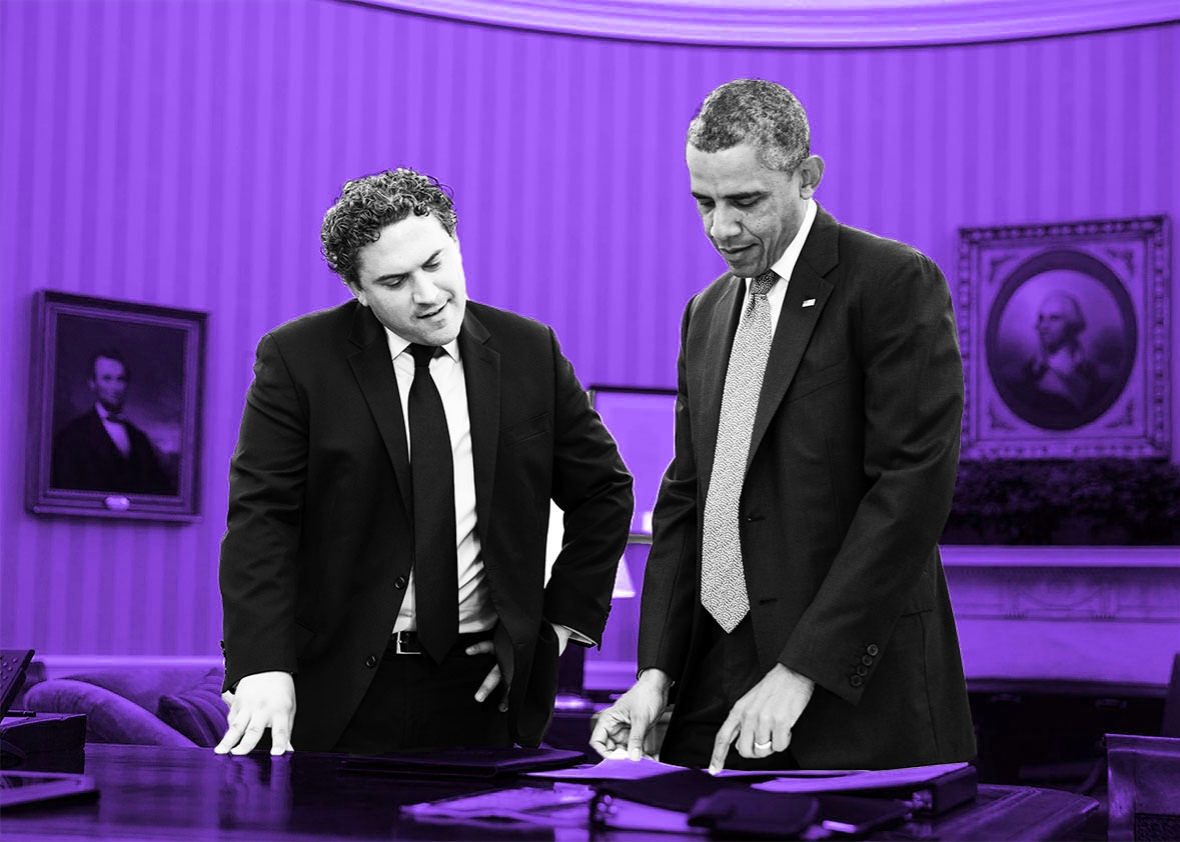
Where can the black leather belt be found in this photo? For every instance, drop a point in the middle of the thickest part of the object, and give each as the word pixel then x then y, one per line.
pixel 407 643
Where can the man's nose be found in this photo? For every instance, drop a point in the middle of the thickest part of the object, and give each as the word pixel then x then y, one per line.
pixel 723 223
pixel 424 289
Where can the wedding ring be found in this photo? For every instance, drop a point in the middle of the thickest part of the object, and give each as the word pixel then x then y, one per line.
pixel 762 746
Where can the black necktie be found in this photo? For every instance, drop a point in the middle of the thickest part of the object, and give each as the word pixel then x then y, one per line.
pixel 436 576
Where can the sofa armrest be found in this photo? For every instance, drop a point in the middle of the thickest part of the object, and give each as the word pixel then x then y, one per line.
pixel 110 718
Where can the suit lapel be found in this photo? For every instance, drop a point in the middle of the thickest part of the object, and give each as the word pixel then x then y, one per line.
pixel 481 371
pixel 796 322
pixel 723 323
pixel 373 369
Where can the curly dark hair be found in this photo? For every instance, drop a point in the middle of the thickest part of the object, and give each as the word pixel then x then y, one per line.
pixel 369 204
pixel 763 113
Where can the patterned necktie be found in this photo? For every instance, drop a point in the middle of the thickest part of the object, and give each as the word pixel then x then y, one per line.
pixel 723 581
pixel 436 576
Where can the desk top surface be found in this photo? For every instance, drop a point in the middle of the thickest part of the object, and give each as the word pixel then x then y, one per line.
pixel 150 792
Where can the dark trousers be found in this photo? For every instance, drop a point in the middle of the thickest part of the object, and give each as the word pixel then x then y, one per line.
pixel 724 667
pixel 414 703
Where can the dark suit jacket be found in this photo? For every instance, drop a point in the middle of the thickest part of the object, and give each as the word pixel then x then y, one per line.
pixel 85 458
pixel 853 460
pixel 319 538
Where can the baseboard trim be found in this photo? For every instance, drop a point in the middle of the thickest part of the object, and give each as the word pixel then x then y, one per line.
pixel 57 666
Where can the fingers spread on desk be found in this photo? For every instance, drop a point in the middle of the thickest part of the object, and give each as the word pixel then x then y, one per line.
pixel 250 737
pixel 232 735
pixel 280 735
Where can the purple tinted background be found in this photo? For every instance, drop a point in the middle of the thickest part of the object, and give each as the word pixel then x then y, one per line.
pixel 182 152
pixel 643 423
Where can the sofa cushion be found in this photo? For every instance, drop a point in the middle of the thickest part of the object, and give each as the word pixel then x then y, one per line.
pixel 198 712
pixel 109 717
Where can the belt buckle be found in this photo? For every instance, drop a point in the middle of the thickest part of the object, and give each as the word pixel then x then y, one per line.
pixel 403 638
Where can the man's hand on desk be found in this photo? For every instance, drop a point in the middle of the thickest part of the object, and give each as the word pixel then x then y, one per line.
pixel 263 700
pixel 493 680
pixel 630 722
pixel 761 721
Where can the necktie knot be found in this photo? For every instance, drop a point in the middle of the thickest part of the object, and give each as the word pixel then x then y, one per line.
pixel 762 284
pixel 423 354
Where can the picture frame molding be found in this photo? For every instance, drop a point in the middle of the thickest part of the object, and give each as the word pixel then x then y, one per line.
pixel 1136 251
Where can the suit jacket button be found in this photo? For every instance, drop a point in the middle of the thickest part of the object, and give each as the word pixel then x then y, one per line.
pixel 867 660
pixel 371 661
pixel 856 681
pixel 862 670
pixel 400 583
pixel 872 649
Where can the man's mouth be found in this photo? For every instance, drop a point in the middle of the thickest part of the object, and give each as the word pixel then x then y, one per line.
pixel 432 313
pixel 734 251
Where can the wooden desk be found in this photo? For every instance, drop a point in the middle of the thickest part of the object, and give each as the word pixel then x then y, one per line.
pixel 149 792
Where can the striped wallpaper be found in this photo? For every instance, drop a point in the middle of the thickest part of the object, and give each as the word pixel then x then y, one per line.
pixel 182 152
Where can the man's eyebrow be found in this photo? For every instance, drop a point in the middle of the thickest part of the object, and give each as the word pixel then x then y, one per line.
pixel 395 275
pixel 733 197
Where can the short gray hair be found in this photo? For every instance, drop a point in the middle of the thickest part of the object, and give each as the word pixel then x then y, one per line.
pixel 754 111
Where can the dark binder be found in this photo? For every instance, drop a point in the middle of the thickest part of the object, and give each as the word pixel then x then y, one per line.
pixel 683 800
pixel 938 795
pixel 748 813
pixel 660 802
pixel 929 790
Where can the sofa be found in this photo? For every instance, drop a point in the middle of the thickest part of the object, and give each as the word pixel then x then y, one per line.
pixel 170 706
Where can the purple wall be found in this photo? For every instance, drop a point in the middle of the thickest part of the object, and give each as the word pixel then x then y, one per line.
pixel 183 152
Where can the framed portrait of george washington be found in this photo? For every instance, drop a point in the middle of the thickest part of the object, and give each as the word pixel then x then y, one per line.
pixel 1065 337
pixel 115 409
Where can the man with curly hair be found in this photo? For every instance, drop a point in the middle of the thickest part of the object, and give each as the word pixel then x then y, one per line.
pixel 794 604
pixel 400 599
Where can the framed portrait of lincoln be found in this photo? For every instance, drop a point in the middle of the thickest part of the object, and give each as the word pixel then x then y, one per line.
pixel 115 393
pixel 1065 351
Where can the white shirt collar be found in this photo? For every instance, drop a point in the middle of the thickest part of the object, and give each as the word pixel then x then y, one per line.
pixel 785 265
pixel 397 345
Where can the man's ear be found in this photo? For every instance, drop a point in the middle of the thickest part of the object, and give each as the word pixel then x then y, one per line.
pixel 357 293
pixel 811 172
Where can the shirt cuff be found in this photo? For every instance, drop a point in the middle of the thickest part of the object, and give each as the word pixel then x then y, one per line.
pixel 576 636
